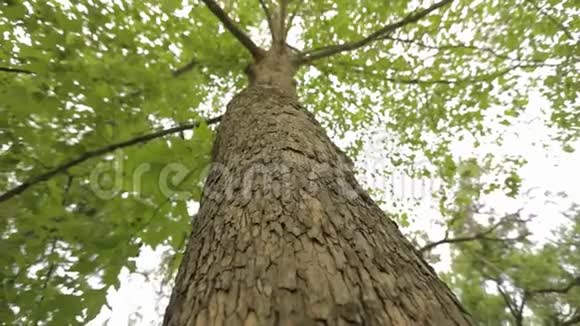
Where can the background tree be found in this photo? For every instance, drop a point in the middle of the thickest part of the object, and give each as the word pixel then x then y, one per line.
pixel 82 83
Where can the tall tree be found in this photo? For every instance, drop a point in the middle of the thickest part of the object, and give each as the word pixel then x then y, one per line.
pixel 284 232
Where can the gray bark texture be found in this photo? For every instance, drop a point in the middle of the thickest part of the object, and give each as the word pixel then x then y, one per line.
pixel 286 236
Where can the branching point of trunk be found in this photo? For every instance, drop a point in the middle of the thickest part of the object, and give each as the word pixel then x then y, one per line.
pixel 276 69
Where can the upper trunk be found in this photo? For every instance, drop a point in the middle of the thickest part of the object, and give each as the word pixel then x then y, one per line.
pixel 275 69
pixel 285 235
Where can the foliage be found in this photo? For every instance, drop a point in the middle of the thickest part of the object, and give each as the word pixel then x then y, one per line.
pixel 541 282
pixel 77 76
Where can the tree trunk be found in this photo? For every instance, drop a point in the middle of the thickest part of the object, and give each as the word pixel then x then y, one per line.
pixel 286 236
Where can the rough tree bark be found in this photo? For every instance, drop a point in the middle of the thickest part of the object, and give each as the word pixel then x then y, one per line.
pixel 286 236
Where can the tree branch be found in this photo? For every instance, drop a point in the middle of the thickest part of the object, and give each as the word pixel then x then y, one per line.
pixel 282 23
pixel 349 46
pixel 229 24
pixel 520 310
pixel 479 236
pixel 565 289
pixel 91 154
pixel 187 67
pixel 509 303
pixel 175 73
pixel 268 17
pixel 17 70
pixel 98 152
pixel 515 309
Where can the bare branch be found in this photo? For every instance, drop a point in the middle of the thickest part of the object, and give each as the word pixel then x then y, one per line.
pixel 98 152
pixel 17 70
pixel 349 46
pixel 268 17
pixel 229 24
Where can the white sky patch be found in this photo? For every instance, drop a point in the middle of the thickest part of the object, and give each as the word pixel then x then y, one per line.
pixel 142 297
pixel 293 37
pixel 22 36
pixel 176 50
pixel 184 11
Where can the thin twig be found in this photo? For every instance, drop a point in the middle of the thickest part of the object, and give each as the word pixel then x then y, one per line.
pixel 476 237
pixel 98 152
pixel 481 236
pixel 187 67
pixel 167 278
pixel 229 24
pixel 17 70
pixel 349 46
